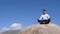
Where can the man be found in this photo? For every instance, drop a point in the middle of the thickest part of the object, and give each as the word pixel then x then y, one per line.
pixel 45 18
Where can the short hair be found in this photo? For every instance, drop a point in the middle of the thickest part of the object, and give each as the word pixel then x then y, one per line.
pixel 44 9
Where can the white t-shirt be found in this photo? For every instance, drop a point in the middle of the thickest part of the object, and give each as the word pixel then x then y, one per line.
pixel 44 17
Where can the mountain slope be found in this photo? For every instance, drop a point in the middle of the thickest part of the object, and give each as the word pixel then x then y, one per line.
pixel 41 29
pixel 11 32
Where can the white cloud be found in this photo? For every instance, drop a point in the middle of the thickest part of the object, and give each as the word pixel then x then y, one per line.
pixel 5 29
pixel 14 26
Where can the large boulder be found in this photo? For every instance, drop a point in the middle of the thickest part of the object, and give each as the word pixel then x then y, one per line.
pixel 41 29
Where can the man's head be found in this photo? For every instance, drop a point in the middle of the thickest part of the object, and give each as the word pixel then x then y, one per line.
pixel 44 11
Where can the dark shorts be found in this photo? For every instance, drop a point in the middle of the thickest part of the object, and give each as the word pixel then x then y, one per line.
pixel 44 21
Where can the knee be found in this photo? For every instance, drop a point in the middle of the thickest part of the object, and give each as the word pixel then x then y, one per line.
pixel 49 20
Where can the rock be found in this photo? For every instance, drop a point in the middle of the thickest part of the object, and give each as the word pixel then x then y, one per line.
pixel 41 29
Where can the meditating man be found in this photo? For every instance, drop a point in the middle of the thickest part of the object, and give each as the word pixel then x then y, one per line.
pixel 44 18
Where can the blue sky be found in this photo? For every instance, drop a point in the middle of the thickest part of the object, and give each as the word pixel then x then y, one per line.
pixel 26 12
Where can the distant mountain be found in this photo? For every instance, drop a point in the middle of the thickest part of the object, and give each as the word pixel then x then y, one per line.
pixel 11 32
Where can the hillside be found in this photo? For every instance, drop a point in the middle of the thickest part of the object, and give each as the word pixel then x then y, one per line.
pixel 11 32
pixel 41 29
